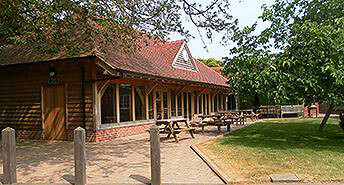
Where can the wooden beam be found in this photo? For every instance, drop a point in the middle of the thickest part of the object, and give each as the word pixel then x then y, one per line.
pixel 218 103
pixel 213 103
pixel 203 91
pixel 154 105
pixel 162 104
pixel 182 96
pixel 187 105
pixel 176 103
pixel 147 106
pixel 169 104
pixel 180 90
pixel 221 101
pixel 149 89
pixel 197 100
pixel 209 104
pixel 225 102
pixel 202 104
pixel 133 102
pixel 114 104
pixel 206 110
pixel 192 104
pixel 118 115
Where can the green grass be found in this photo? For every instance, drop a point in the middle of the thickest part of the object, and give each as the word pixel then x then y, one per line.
pixel 281 146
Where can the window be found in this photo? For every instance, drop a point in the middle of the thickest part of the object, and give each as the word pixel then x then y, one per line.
pixel 185 104
pixel 150 106
pixel 140 106
pixel 165 105
pixel 108 104
pixel 173 103
pixel 215 103
pixel 158 105
pixel 180 111
pixel 125 102
pixel 200 104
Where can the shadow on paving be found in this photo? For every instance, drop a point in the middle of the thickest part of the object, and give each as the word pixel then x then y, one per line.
pixel 290 134
pixel 48 162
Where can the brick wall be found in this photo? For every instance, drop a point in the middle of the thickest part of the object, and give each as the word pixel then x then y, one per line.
pixel 113 133
pixel 93 136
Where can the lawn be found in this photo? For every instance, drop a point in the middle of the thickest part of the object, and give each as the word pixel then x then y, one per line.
pixel 281 146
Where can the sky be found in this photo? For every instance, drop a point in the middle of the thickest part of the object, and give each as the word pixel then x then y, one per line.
pixel 246 11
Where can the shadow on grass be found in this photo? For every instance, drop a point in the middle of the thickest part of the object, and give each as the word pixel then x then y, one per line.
pixel 289 134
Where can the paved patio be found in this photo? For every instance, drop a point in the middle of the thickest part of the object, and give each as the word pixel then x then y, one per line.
pixel 124 160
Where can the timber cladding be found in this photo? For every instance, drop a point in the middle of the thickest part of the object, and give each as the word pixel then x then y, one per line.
pixel 21 97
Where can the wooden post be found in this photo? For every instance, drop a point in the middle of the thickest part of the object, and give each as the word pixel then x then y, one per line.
pixel 154 105
pixel 217 103
pixel 187 105
pixel 118 115
pixel 176 103
pixel 221 102
pixel 162 104
pixel 79 156
pixel 169 104
pixel 182 96
pixel 202 106
pixel 209 104
pixel 192 104
pixel 155 155
pixel 9 156
pixel 197 100
pixel 147 106
pixel 133 102
pixel 213 103
pixel 205 105
pixel 226 102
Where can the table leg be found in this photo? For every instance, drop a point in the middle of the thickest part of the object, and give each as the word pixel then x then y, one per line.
pixel 170 126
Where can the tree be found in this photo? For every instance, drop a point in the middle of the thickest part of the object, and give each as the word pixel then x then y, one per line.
pixel 299 57
pixel 212 62
pixel 55 24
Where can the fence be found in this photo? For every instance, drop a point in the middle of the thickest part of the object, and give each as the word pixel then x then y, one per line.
pixel 9 156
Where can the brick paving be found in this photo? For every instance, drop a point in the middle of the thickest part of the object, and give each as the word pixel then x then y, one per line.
pixel 124 160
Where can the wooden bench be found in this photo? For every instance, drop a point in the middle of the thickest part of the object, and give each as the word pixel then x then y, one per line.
pixel 274 110
pixel 292 109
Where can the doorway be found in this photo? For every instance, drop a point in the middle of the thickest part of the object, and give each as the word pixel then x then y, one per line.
pixel 54 112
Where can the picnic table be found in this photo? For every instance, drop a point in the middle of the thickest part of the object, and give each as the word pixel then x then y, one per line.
pixel 171 127
pixel 218 120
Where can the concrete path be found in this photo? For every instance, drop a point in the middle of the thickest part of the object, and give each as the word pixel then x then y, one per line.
pixel 124 160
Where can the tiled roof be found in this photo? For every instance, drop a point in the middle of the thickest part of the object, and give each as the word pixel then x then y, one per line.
pixel 153 58
pixel 156 59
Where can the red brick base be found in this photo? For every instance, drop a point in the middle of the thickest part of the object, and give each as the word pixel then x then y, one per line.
pixel 113 133
pixel 107 134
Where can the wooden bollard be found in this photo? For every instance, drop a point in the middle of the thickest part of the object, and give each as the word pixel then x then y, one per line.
pixel 9 156
pixel 155 156
pixel 79 156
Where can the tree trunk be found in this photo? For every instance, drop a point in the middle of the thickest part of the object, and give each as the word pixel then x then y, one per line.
pixel 327 115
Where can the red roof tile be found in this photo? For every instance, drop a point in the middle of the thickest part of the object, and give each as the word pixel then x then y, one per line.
pixel 157 58
pixel 153 58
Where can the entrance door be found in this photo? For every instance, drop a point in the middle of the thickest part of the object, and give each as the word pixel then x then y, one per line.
pixel 54 112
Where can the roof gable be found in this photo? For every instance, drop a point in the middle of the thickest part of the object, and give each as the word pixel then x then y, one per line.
pixel 184 59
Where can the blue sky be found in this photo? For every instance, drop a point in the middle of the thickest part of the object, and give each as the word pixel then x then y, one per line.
pixel 246 11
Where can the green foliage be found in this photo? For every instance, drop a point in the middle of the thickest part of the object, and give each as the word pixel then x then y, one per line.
pixel 299 57
pixel 59 24
pixel 212 62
